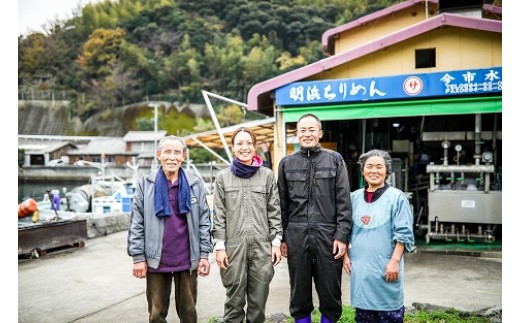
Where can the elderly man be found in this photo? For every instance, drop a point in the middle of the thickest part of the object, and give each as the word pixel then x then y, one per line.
pixel 169 236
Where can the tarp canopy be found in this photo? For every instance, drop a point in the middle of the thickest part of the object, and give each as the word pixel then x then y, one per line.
pixel 263 129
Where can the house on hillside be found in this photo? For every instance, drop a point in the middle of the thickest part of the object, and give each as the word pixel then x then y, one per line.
pixel 143 143
pixel 136 147
pixel 43 152
pixel 105 150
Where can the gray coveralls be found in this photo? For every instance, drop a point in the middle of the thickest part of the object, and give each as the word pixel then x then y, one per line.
pixel 247 216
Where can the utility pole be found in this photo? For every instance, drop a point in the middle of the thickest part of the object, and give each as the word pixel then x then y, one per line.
pixel 154 105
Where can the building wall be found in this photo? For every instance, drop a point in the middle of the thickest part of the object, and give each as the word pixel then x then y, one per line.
pixel 60 152
pixel 456 49
pixel 382 27
pixel 119 160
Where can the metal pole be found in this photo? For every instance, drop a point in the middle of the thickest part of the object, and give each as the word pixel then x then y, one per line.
pixel 154 105
pixel 211 151
pixel 205 94
pixel 103 166
pixel 155 128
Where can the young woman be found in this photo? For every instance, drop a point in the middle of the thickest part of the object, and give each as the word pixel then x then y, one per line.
pixel 247 230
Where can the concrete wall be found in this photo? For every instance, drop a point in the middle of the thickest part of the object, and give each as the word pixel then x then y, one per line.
pixel 44 117
pixel 65 172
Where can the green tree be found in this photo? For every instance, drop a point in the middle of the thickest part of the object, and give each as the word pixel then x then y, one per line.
pixel 260 63
pixel 182 72
pixel 230 115
pixel 115 52
pixel 101 51
pixel 203 125
pixel 30 53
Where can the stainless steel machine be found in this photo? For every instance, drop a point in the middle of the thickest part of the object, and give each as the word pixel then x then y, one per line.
pixel 462 204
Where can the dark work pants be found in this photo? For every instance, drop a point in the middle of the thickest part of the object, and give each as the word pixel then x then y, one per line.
pixel 310 258
pixel 158 293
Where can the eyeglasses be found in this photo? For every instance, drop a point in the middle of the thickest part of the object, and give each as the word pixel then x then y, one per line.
pixel 303 131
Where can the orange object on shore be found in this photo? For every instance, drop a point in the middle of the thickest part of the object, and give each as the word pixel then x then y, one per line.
pixel 27 208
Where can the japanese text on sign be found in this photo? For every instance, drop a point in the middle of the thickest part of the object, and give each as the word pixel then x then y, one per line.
pixel 448 83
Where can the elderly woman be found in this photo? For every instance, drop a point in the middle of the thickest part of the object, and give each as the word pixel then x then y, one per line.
pixel 382 232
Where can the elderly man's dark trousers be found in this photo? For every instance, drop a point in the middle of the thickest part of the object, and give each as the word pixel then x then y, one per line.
pixel 158 292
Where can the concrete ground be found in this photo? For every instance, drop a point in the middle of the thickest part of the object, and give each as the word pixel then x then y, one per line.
pixel 95 284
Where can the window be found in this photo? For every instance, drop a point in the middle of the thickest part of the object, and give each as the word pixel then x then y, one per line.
pixel 425 58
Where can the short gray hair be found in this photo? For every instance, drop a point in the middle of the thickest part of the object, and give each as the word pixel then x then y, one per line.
pixel 163 140
pixel 376 153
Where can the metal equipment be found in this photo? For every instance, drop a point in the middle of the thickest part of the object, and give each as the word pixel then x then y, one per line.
pixel 461 203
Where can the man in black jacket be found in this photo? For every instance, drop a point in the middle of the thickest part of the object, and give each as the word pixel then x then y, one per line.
pixel 316 218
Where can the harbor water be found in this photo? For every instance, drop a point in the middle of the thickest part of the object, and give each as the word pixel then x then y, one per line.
pixel 37 189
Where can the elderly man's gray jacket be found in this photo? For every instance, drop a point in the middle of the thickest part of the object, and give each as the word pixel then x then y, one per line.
pixel 145 234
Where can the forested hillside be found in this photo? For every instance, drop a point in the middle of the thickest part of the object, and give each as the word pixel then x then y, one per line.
pixel 115 53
